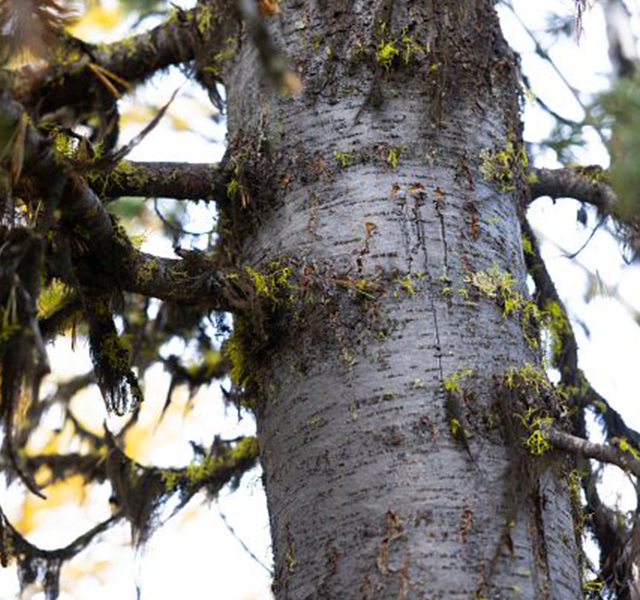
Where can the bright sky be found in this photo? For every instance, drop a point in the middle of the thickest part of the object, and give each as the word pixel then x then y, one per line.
pixel 194 555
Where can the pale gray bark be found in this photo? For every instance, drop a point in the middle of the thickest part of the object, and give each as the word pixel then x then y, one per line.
pixel 369 496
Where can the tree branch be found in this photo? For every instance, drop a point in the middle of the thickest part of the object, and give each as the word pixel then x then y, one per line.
pixel 181 181
pixel 604 522
pixel 107 257
pixel 601 452
pixel 587 184
pixel 590 185
pixel 133 60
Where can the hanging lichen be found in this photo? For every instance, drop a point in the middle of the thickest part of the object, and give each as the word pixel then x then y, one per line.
pixel 111 359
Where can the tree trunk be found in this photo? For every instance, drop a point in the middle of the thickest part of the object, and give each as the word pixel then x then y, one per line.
pixel 391 188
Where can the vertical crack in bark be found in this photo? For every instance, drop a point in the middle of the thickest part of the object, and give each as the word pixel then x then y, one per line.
pixel 422 243
pixel 406 241
pixel 539 543
pixel 439 203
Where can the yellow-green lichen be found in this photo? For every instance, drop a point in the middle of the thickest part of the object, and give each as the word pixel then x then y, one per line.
pixel 535 423
pixel 527 378
pixel 386 53
pixel 115 351
pixel 51 298
pixel 502 167
pixel 345 158
pixel 499 286
pixel 557 328
pixel 148 270
pixel 453 383
pixel 393 157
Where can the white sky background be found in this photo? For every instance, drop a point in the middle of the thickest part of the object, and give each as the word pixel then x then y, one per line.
pixel 194 556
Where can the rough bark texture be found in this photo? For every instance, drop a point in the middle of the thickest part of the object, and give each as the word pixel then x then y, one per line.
pixel 377 182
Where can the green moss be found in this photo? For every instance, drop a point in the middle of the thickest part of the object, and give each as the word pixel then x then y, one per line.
pixel 595 586
pixel 170 478
pixel 9 324
pixel 502 167
pixel 389 49
pixel 409 45
pixel 205 19
pixel 64 147
pixel 557 327
pixel 406 284
pixel 290 560
pixel 575 486
pixel 593 173
pixel 273 282
pixel 237 350
pixel 129 46
pixel 219 59
pixel 196 472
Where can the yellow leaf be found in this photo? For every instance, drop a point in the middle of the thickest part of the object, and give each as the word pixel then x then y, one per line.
pixel 179 123
pixel 98 18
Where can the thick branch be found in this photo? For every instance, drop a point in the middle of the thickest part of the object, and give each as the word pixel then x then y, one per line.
pixel 181 181
pixel 178 40
pixel 133 60
pixel 590 185
pixel 600 452
pixel 587 184
pixel 191 279
pixel 108 259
